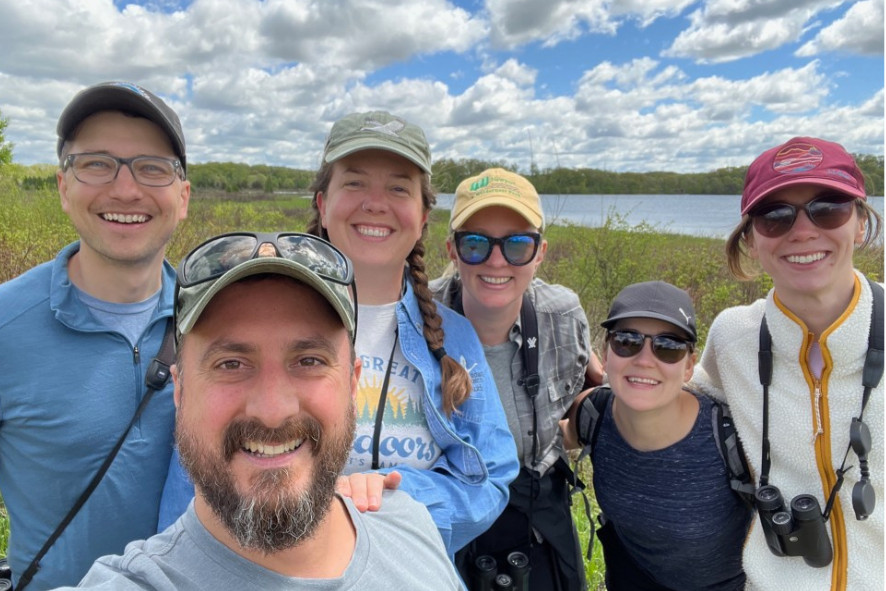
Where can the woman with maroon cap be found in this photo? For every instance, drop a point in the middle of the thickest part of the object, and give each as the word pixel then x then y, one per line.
pixel 812 430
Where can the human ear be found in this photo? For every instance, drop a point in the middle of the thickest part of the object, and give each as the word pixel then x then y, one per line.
pixel 321 207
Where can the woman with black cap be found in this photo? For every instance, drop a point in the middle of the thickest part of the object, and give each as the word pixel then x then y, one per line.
pixel 670 519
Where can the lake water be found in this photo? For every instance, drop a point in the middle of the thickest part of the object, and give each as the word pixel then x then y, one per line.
pixel 697 215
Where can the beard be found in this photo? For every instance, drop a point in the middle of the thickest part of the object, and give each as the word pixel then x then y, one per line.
pixel 269 516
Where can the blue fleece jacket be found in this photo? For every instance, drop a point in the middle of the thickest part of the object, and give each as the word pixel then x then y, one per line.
pixel 68 389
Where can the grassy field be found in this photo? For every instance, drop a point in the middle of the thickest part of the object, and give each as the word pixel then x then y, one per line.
pixel 595 262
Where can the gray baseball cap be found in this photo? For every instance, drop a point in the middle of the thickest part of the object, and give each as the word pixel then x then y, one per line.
pixel 654 299
pixel 121 96
pixel 305 262
pixel 377 130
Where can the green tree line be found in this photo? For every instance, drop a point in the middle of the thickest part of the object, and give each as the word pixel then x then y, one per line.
pixel 231 177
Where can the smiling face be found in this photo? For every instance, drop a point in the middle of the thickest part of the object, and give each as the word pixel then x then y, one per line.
pixel 373 210
pixel 495 284
pixel 122 222
pixel 265 409
pixel 643 382
pixel 807 260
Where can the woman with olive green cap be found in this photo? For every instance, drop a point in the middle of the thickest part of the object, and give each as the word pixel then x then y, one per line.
pixel 428 419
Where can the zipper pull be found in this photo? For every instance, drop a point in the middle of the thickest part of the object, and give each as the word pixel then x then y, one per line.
pixel 135 355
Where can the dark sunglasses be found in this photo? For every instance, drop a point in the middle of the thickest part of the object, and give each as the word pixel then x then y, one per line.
pixel 474 248
pixel 220 254
pixel 827 212
pixel 665 347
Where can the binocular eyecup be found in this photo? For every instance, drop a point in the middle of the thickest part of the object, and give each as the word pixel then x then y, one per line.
pixel 486 576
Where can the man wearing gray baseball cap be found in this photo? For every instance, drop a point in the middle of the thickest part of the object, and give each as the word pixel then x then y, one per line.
pixel 77 335
pixel 265 382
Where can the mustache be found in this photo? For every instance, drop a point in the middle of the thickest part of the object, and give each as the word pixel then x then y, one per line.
pixel 239 432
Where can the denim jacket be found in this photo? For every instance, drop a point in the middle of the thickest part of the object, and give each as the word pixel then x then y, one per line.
pixel 467 488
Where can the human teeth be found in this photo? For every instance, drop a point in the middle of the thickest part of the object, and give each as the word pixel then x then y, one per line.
pixel 649 381
pixel 125 218
pixel 267 450
pixel 374 232
pixel 805 259
pixel 495 280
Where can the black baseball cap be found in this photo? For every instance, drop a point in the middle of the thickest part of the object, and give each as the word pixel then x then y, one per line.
pixel 121 96
pixel 654 299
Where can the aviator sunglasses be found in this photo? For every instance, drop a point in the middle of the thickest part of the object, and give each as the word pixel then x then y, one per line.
pixel 220 254
pixel 827 212
pixel 665 347
pixel 519 249
pixel 215 257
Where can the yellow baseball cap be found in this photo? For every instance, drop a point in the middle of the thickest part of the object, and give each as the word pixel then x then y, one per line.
pixel 496 186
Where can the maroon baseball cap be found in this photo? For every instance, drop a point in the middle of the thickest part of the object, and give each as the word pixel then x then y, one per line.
pixel 802 160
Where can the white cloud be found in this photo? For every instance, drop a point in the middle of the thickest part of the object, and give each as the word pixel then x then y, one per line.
pixel 859 31
pixel 518 22
pixel 368 34
pixel 727 30
pixel 261 82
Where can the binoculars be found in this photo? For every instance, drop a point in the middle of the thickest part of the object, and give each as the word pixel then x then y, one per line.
pixel 5 575
pixel 800 532
pixel 485 575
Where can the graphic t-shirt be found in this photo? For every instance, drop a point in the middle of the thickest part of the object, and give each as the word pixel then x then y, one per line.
pixel 405 438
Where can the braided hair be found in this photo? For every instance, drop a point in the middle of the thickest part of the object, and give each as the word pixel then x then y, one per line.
pixel 456 382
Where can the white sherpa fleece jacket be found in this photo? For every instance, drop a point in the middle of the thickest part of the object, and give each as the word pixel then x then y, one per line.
pixel 808 430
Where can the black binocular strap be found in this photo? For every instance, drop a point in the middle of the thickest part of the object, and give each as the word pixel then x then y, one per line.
pixel 871 375
pixel 156 378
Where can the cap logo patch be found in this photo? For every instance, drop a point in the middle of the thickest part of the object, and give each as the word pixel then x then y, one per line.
pixel 797 158
pixel 480 183
pixel 685 315
pixel 392 128
pixel 136 89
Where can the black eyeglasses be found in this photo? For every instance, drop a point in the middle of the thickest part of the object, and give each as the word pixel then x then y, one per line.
pixel 665 347
pixel 827 212
pixel 220 254
pixel 519 249
pixel 101 169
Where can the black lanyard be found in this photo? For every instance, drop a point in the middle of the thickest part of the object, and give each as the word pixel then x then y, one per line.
pixel 380 411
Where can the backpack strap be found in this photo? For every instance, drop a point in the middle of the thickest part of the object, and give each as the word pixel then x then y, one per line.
pixel 587 419
pixel 873 363
pixel 529 348
pixel 732 452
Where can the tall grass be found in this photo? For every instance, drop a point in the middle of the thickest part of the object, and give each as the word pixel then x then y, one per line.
pixel 595 262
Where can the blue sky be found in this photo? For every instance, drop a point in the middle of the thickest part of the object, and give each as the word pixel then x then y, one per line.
pixel 628 85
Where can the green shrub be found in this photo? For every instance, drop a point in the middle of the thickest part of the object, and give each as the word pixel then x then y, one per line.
pixel 595 262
